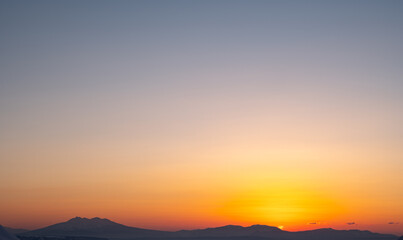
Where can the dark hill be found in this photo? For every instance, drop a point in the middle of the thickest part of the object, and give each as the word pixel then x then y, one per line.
pixel 15 231
pixel 332 234
pixel 95 227
pixel 4 235
pixel 85 228
pixel 231 231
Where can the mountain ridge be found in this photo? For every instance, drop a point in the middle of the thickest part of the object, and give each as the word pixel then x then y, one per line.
pixel 102 227
pixel 5 235
pixel 15 230
pixel 93 227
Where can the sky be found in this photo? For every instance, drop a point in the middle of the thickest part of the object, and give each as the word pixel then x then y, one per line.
pixel 191 114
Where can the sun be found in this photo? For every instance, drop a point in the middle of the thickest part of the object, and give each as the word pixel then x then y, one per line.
pixel 281 227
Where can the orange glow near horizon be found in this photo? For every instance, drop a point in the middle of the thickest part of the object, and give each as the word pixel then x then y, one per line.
pixel 291 206
pixel 282 205
pixel 208 194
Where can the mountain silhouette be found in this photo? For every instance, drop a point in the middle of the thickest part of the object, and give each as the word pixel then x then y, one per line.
pixel 5 235
pixel 230 231
pixel 263 232
pixel 332 234
pixel 94 227
pixel 103 228
pixel 15 230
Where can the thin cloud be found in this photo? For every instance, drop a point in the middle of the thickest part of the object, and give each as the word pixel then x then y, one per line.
pixel 350 223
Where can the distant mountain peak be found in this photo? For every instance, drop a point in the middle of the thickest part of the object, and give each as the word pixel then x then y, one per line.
pixel 228 227
pixel 105 228
pixel 263 227
pixel 84 218
pixel 95 227
pixel 88 220
pixel 74 219
pixel 232 231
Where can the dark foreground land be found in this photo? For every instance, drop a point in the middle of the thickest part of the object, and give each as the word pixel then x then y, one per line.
pixel 104 229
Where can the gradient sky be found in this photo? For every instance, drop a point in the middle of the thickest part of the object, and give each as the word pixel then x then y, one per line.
pixel 191 114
